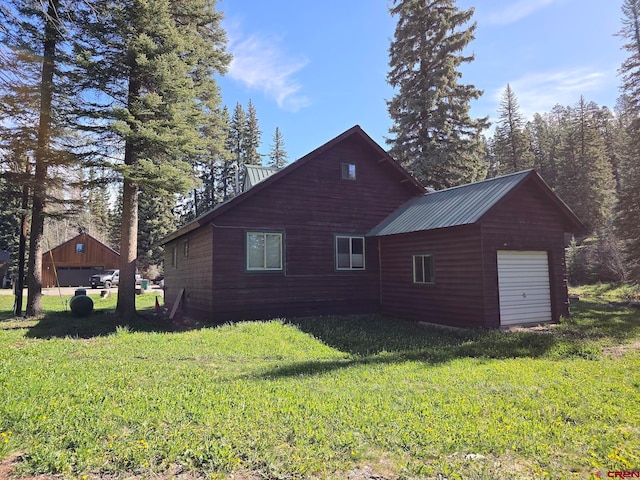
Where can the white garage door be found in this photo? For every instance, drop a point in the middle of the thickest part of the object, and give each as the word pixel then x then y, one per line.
pixel 523 282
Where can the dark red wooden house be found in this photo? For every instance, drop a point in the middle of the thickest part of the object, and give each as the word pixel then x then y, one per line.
pixel 345 230
pixel 75 260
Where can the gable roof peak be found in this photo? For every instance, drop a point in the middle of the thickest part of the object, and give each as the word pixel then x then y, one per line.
pixel 383 156
pixel 464 205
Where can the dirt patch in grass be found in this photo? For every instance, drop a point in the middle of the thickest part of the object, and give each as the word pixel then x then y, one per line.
pixel 176 472
pixel 7 467
pixel 537 328
pixel 618 351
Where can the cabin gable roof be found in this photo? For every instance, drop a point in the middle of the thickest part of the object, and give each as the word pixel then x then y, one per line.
pixel 265 183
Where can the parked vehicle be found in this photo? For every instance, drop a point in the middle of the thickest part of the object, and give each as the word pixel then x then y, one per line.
pixel 110 278
pixel 106 279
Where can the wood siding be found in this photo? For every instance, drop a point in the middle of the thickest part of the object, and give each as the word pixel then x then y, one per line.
pixel 524 220
pixel 310 206
pixel 456 297
pixel 465 292
pixel 192 272
pixel 96 254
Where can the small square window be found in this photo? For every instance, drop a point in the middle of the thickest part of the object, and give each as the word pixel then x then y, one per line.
pixel 79 247
pixel 348 171
pixel 423 269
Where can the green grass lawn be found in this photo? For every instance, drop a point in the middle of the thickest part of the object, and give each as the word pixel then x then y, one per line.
pixel 318 398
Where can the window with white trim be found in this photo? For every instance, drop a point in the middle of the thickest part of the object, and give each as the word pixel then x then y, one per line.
pixel 349 252
pixel 264 251
pixel 423 269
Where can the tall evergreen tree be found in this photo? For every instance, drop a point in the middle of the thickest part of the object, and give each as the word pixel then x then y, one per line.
pixel 212 160
pixel 33 32
pixel 277 155
pixel 97 220
pixel 149 63
pixel 585 178
pixel 230 173
pixel 13 214
pixel 511 145
pixel 544 142
pixel 433 134
pixel 208 164
pixel 252 136
pixel 156 221
pixel 114 238
pixel 628 225
pixel 608 126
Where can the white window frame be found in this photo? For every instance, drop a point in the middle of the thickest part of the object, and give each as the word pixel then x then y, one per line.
pixel 351 266
pixel 264 267
pixel 428 277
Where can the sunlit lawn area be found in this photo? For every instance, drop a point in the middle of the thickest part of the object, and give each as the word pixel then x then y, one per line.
pixel 318 398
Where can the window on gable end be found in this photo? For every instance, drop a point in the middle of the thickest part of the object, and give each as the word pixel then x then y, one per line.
pixel 348 171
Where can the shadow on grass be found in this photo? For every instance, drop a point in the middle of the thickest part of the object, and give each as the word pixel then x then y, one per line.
pixel 376 340
pixel 602 321
pixel 99 323
pixel 371 340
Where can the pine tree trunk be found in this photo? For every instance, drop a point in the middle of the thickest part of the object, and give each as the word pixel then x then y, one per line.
pixel 126 306
pixel 34 276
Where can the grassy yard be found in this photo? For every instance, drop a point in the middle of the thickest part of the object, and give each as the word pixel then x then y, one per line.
pixel 318 398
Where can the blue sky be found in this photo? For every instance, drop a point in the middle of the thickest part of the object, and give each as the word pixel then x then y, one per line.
pixel 315 69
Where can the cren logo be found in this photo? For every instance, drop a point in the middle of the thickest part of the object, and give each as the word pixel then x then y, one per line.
pixel 625 474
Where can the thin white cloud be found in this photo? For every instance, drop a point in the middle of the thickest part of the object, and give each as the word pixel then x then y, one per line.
pixel 260 63
pixel 516 11
pixel 540 92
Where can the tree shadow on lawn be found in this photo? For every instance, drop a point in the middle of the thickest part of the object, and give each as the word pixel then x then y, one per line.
pixel 99 323
pixel 371 340
pixel 601 321
pixel 379 339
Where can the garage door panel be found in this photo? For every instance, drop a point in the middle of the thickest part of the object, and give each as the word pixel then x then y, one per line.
pixel 514 309
pixel 517 272
pixel 524 287
pixel 76 276
pixel 525 291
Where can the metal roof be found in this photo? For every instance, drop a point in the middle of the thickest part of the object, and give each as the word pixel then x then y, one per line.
pixel 451 207
pixel 255 174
